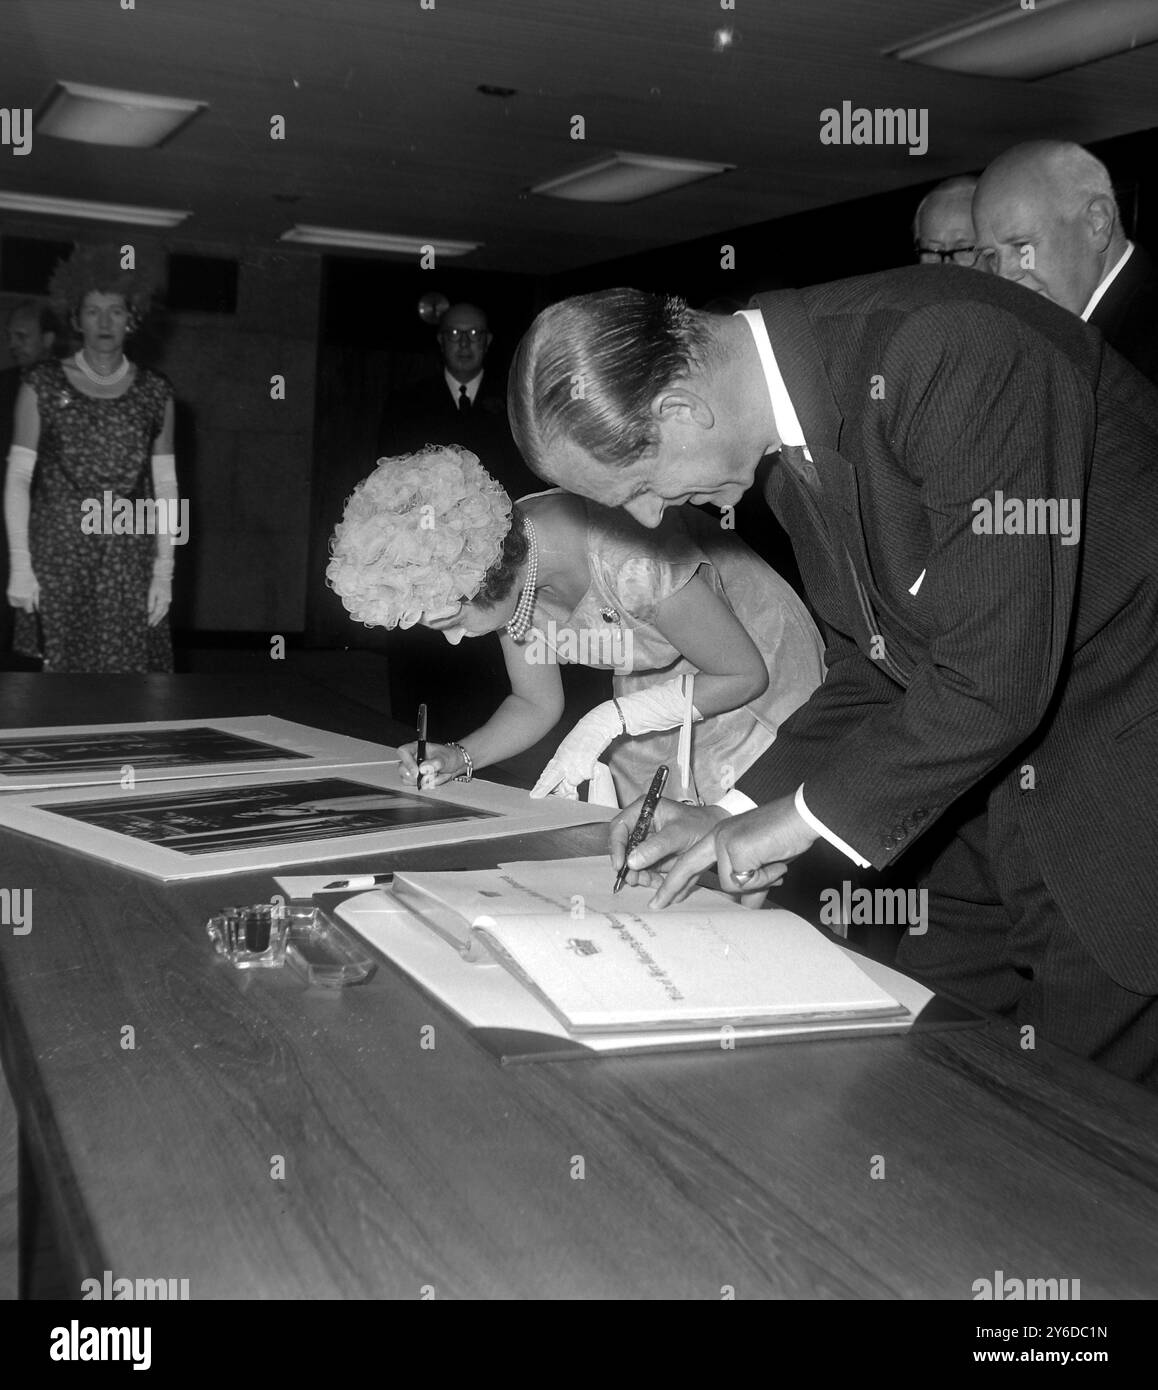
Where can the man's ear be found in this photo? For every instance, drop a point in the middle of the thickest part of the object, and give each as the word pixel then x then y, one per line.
pixel 677 402
pixel 1101 217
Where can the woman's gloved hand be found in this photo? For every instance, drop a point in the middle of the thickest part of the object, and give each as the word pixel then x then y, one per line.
pixel 23 588
pixel 643 712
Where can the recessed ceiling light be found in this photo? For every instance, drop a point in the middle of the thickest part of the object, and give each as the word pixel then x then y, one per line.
pixel 102 116
pixel 389 242
pixel 1053 36
pixel 488 91
pixel 95 212
pixel 625 178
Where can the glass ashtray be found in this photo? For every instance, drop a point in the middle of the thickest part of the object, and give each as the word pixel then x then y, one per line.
pixel 251 937
pixel 268 935
pixel 323 952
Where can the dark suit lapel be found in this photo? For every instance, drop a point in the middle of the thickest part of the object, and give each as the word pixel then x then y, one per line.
pixel 1114 305
pixel 833 507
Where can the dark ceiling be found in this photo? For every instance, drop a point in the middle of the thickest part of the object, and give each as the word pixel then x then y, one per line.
pixel 386 130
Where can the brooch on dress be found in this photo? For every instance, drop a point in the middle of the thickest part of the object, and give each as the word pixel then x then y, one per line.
pixel 609 615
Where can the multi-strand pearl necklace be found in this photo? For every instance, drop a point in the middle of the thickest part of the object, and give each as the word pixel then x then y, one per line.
pixel 521 619
pixel 113 377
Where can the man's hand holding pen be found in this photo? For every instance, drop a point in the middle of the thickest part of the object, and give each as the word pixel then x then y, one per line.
pixel 750 851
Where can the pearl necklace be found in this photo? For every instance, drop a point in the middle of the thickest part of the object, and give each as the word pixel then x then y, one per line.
pixel 521 619
pixel 113 377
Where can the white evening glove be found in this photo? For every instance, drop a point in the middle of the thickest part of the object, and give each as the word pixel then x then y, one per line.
pixel 23 587
pixel 644 712
pixel 160 585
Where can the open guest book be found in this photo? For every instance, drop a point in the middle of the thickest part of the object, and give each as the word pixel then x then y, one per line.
pixel 541 960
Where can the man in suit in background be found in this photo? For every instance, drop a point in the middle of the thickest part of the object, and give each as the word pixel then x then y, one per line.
pixel 31 337
pixel 460 406
pixel 1047 218
pixel 953 453
pixel 943 224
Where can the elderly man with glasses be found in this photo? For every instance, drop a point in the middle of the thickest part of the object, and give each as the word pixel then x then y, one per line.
pixel 462 405
pixel 943 224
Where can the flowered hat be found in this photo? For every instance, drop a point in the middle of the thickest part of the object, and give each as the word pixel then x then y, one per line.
pixel 417 536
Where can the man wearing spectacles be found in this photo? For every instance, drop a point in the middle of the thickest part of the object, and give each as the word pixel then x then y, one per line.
pixel 943 224
pixel 464 338
pixel 462 405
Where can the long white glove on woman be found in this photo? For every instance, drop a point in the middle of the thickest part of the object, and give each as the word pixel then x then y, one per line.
pixel 644 712
pixel 23 589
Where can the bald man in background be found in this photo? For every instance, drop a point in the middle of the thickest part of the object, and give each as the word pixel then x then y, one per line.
pixel 1046 217
pixel 943 224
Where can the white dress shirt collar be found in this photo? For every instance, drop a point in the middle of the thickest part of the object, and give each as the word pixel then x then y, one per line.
pixel 783 411
pixel 472 385
pixel 1095 298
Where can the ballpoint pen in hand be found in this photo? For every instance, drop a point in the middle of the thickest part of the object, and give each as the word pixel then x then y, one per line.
pixel 643 824
pixel 420 751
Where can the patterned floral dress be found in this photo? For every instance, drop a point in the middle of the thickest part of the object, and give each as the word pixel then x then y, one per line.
pixel 631 572
pixel 93 587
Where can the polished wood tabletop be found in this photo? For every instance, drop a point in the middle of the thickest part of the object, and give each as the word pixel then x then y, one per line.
pixel 264 1140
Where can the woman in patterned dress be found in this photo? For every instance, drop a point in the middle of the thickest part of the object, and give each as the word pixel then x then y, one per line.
pixel 432 538
pixel 90 551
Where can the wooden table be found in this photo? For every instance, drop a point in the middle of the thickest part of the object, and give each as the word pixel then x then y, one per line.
pixel 409 1169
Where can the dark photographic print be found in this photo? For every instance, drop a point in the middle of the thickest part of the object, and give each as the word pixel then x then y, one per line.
pixel 140 749
pixel 238 818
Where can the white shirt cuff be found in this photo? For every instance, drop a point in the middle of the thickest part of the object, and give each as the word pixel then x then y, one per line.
pixel 736 803
pixel 813 824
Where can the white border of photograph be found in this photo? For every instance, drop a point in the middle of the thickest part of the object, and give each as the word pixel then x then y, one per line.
pixel 314 748
pixel 512 813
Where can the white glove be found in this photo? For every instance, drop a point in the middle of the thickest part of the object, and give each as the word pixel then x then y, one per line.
pixel 644 712
pixel 23 587
pixel 161 584
pixel 160 597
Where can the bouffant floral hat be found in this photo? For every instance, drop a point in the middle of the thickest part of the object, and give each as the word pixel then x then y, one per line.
pixel 417 537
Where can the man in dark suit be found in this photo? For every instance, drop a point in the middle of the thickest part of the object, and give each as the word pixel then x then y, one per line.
pixel 1046 217
pixel 956 454
pixel 460 406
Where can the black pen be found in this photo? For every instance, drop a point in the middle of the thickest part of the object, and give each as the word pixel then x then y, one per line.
pixel 643 824
pixel 421 744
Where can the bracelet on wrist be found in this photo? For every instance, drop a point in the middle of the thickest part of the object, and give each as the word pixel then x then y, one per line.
pixel 619 712
pixel 467 759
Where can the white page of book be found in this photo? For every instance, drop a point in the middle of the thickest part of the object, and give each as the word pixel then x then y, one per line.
pixel 486 996
pixel 198 828
pixel 454 900
pixel 77 755
pixel 697 968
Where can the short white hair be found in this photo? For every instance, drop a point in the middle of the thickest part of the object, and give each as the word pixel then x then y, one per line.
pixel 960 183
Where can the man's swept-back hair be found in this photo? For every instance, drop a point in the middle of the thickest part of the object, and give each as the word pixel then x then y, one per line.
pixel 588 369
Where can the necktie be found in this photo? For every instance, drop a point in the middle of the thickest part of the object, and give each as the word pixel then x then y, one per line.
pixel 463 398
